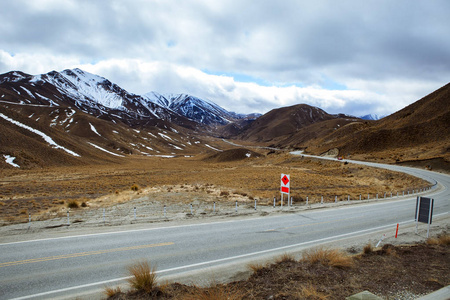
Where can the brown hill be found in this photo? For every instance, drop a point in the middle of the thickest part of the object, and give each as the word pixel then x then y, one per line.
pixel 232 155
pixel 419 131
pixel 279 124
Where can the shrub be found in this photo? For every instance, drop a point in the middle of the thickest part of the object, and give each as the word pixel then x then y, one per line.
pixel 368 249
pixel 143 278
pixel 84 204
pixel 328 257
pixel 255 267
pixel 224 193
pixel 441 240
pixel 72 204
pixel 135 187
pixel 111 292
pixel 285 258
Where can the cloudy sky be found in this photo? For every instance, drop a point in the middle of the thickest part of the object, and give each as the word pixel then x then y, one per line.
pixel 354 57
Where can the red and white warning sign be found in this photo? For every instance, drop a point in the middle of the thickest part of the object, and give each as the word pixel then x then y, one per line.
pixel 285 183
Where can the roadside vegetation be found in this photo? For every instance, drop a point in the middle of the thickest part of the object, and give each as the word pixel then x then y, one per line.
pixel 48 193
pixel 391 272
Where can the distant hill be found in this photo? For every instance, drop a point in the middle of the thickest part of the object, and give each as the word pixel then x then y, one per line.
pixel 279 125
pixel 372 117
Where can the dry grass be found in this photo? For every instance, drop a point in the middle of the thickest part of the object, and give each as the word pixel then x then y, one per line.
pixel 440 240
pixel 111 292
pixel 241 181
pixel 368 249
pixel 215 292
pixel 255 267
pixel 144 277
pixel 309 291
pixel 285 257
pixel 328 257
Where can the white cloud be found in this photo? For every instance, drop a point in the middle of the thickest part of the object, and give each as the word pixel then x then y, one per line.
pixel 387 53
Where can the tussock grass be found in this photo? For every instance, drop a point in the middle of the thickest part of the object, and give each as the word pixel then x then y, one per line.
pixel 135 187
pixel 328 257
pixel 111 292
pixel 309 291
pixel 255 267
pixel 73 204
pixel 285 257
pixel 215 292
pixel 144 277
pixel 368 249
pixel 440 240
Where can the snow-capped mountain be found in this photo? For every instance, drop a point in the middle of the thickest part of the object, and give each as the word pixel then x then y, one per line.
pixel 372 117
pixel 196 109
pixel 74 117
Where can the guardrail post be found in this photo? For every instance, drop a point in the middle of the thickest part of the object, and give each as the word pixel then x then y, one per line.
pixel 348 198
pixel 321 199
pixel 307 200
pixel 360 197
pixel 236 206
pixel 164 210
pixel 191 209
pixel 214 206
pixel 335 199
pixel 68 218
pixel 255 204
pixel 103 216
pixel 274 202
pixel 135 213
pixel 29 220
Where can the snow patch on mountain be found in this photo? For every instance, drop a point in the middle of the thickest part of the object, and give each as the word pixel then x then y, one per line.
pixel 10 160
pixel 373 117
pixel 104 150
pixel 48 139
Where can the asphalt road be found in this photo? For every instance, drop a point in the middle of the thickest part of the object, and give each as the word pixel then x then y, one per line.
pixel 70 265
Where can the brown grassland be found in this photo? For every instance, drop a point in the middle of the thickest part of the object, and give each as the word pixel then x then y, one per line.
pixel 39 191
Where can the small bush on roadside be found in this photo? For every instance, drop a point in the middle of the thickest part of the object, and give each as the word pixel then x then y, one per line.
pixel 441 240
pixel 143 278
pixel 255 267
pixel 135 187
pixel 286 257
pixel 328 257
pixel 368 249
pixel 84 204
pixel 224 193
pixel 111 292
pixel 73 204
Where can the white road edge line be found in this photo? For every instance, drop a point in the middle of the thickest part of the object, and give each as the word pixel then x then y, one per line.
pixel 337 237
pixel 198 224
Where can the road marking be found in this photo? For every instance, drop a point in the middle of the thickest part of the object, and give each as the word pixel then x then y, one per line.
pixel 73 255
pixel 322 240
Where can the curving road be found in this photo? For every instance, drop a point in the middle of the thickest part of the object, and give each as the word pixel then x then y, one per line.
pixel 72 265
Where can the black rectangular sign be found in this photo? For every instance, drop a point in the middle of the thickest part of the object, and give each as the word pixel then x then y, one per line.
pixel 424 205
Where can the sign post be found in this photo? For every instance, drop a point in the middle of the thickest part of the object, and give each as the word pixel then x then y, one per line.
pixel 424 212
pixel 285 186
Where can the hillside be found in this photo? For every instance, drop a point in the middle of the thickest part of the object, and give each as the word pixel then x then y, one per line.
pixel 279 124
pixel 420 131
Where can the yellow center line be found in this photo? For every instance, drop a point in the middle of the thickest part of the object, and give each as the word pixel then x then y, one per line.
pixel 42 259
